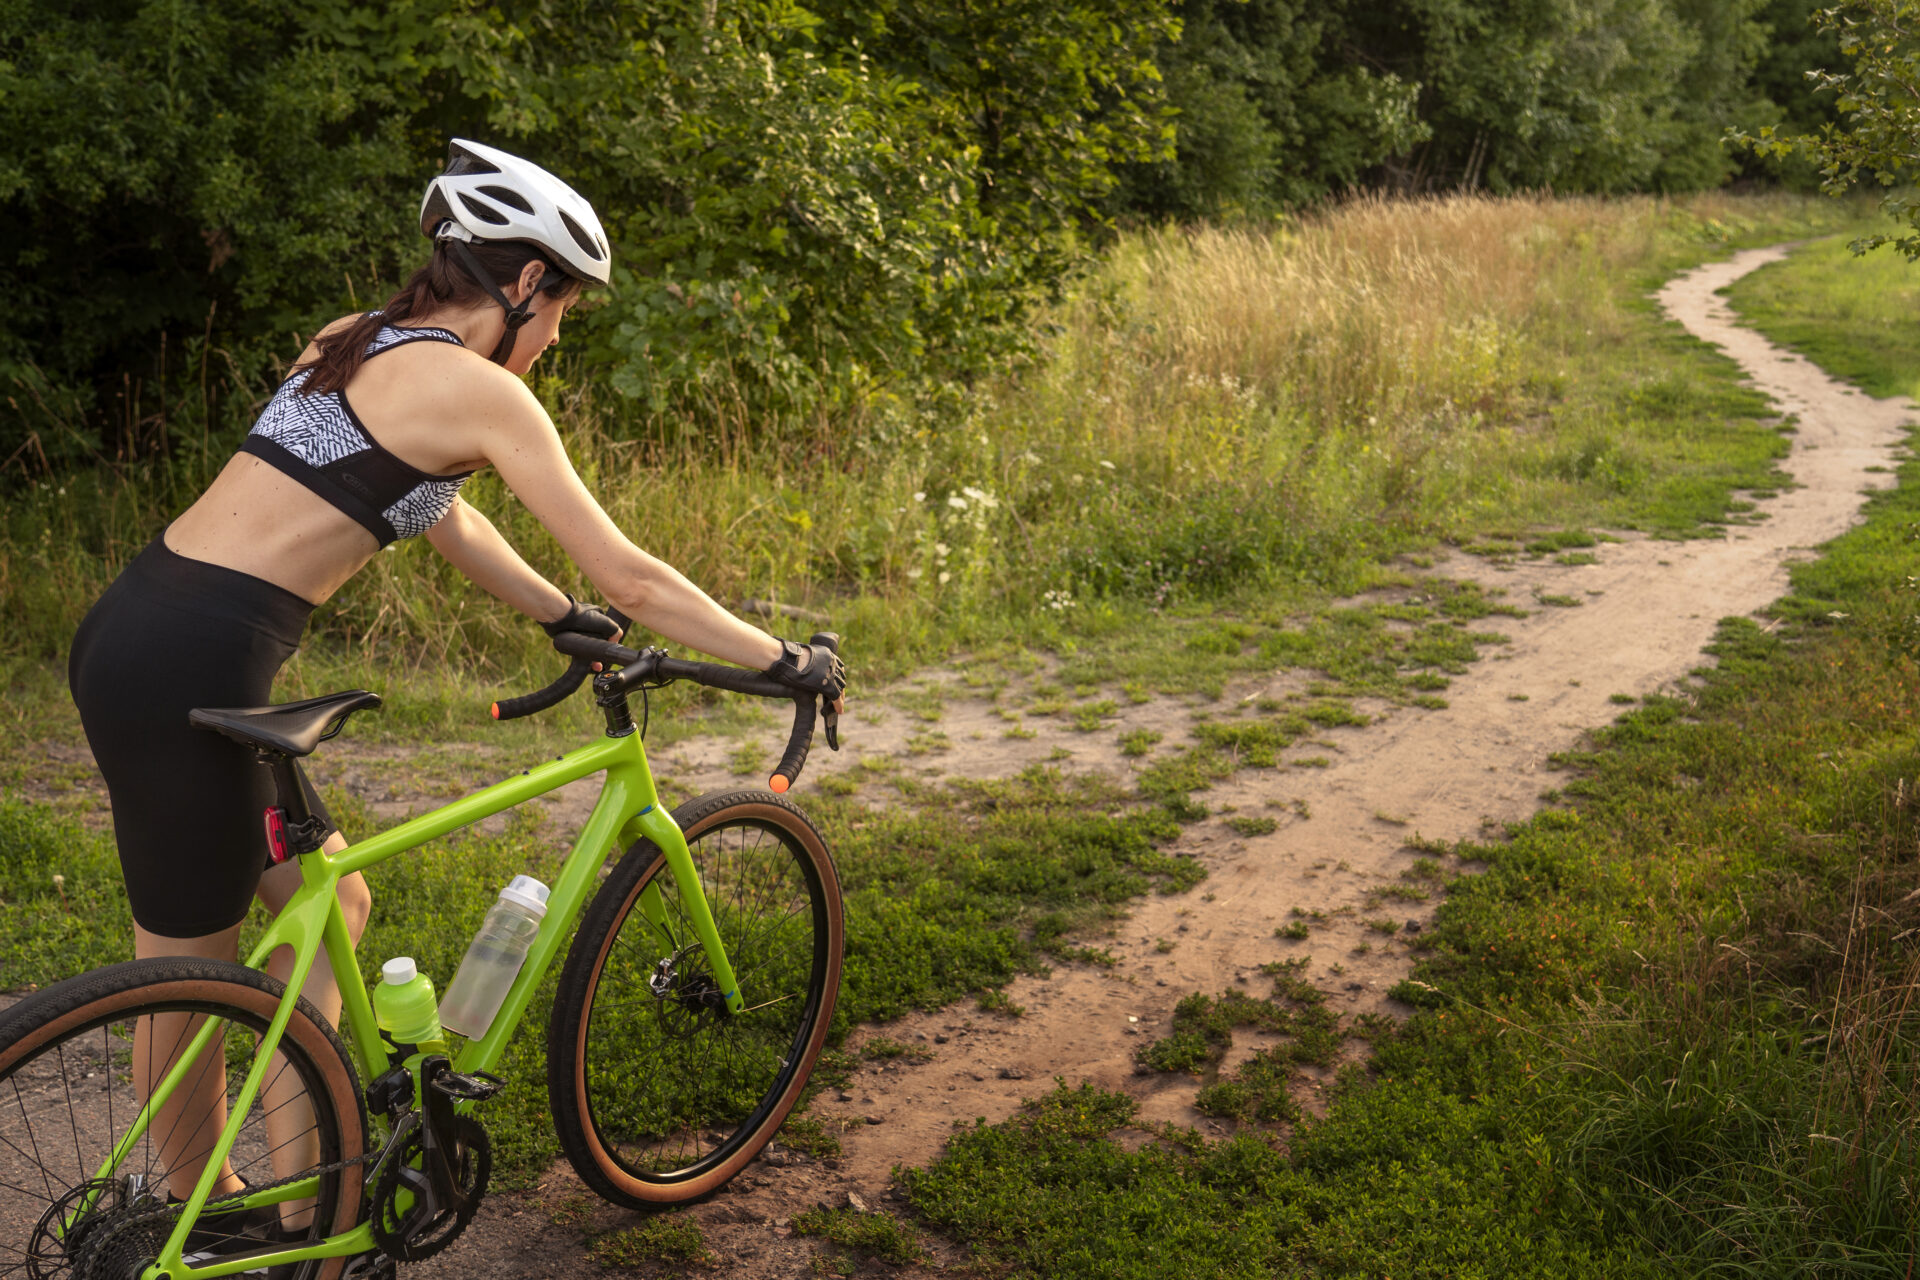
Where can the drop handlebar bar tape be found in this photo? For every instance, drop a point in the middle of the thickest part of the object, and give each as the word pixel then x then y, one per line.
pixel 539 700
pixel 798 744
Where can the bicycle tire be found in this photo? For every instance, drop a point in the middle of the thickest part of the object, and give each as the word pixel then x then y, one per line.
pixel 65 1058
pixel 641 1084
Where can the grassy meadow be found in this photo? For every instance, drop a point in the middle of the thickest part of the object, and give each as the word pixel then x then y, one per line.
pixel 1660 1030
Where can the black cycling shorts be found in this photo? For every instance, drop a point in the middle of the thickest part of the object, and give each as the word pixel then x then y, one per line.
pixel 169 635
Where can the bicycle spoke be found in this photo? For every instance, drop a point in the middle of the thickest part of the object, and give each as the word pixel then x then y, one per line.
pixel 21 1103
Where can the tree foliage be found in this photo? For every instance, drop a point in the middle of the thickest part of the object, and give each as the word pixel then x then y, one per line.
pixel 813 202
pixel 1876 138
pixel 797 221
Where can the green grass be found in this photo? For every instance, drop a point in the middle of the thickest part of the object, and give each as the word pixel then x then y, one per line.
pixel 874 1235
pixel 666 1238
pixel 1851 315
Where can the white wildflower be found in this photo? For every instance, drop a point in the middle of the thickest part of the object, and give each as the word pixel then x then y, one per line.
pixel 957 502
pixel 920 497
pixel 1108 465
pixel 945 577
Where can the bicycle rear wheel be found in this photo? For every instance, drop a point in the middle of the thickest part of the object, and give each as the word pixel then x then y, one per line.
pixel 659 1094
pixel 68 1095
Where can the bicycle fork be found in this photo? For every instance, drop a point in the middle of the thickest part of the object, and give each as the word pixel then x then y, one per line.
pixel 668 838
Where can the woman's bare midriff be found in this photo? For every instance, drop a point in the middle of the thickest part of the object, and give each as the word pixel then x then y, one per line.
pixel 260 521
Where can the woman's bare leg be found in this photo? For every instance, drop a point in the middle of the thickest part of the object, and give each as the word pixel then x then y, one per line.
pixel 290 1128
pixel 188 1123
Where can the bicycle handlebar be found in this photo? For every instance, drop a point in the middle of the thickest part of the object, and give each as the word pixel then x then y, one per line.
pixel 652 666
pixel 539 700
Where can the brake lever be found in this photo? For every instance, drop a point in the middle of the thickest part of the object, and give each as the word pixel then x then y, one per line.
pixel 832 719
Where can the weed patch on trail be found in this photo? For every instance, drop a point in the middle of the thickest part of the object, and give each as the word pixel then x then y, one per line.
pixel 1259 1090
pixel 874 1235
pixel 664 1238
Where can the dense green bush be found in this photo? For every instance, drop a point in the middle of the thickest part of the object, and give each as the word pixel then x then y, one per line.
pixel 815 208
pixel 796 225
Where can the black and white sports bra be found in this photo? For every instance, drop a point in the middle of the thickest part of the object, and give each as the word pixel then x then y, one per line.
pixel 320 441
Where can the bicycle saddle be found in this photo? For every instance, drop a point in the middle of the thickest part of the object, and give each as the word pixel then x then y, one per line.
pixel 289 729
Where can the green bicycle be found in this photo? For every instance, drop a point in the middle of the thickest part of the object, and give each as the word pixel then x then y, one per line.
pixel 693 1002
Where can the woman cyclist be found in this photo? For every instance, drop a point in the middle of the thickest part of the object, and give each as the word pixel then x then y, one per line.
pixel 385 415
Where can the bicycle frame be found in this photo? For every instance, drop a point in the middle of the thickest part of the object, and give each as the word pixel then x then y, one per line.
pixel 628 809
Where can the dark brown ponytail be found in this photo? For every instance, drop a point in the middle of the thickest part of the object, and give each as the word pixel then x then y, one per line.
pixel 440 284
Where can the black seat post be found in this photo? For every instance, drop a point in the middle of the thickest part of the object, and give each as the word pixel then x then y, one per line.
pixel 303 830
pixel 287 783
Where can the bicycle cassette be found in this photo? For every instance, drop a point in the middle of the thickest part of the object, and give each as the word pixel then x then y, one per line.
pixel 431 1219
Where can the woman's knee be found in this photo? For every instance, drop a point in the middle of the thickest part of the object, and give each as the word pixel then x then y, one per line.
pixel 356 904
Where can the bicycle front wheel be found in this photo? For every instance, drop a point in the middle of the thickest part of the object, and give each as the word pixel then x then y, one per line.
pixel 660 1095
pixel 69 1098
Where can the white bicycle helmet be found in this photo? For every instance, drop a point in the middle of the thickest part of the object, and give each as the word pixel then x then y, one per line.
pixel 486 194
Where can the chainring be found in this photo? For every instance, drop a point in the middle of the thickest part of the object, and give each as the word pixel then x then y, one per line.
pixel 395 1230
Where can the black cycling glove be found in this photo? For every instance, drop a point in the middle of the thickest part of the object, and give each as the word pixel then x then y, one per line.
pixel 585 619
pixel 811 668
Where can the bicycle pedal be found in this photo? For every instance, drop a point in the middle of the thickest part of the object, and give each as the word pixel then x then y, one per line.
pixel 477 1087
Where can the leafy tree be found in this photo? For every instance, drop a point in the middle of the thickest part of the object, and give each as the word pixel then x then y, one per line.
pixel 790 228
pixel 1051 97
pixel 1877 97
pixel 1274 109
pixel 172 167
pixel 1586 95
pixel 798 222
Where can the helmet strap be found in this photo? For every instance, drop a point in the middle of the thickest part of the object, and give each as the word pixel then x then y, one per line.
pixel 517 315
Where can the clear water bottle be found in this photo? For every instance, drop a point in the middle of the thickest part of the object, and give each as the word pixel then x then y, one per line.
pixel 403 1007
pixel 494 958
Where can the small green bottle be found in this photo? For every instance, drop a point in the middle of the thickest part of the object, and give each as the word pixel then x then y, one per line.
pixel 405 1008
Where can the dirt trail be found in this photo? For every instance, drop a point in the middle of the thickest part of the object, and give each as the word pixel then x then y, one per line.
pixel 1647 609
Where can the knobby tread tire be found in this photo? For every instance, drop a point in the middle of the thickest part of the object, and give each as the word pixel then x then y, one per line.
pixel 572 1006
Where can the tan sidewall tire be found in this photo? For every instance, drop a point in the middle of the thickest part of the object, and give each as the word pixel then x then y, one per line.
pixel 794 823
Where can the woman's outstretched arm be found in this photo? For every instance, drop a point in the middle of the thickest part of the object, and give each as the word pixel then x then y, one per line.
pixel 516 436
pixel 472 545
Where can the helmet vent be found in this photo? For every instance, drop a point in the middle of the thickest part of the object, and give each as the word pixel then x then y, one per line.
pixel 481 211
pixel 581 238
pixel 508 196
pixel 464 163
